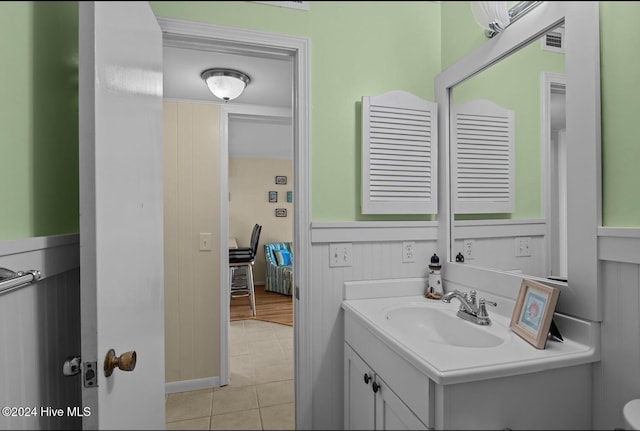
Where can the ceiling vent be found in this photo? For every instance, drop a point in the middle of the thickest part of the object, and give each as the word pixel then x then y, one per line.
pixel 554 40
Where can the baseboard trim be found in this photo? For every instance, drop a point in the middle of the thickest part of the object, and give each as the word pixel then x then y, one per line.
pixel 192 385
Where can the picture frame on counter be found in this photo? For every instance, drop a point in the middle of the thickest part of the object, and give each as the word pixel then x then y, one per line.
pixel 533 312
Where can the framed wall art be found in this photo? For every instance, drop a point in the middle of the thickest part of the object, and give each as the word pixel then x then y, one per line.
pixel 273 196
pixel 533 312
pixel 281 212
pixel 281 179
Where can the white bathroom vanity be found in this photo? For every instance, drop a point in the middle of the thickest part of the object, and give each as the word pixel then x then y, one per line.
pixel 411 363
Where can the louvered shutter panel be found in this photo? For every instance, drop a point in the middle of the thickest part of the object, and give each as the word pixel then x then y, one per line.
pixel 482 158
pixel 399 154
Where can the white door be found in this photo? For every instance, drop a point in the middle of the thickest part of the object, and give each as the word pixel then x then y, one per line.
pixel 121 225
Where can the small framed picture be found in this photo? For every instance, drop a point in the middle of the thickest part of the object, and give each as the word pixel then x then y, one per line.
pixel 289 196
pixel 281 179
pixel 273 196
pixel 281 212
pixel 533 312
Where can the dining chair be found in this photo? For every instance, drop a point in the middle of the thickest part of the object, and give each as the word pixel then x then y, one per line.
pixel 242 284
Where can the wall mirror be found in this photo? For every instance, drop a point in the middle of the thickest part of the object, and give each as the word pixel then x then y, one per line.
pixel 521 150
pixel 506 151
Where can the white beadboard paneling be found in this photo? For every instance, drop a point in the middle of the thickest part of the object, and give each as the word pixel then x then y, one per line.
pixel 500 253
pixel 372 259
pixel 617 376
pixel 40 329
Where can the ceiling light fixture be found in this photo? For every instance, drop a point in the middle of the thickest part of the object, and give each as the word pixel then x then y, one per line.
pixel 494 16
pixel 225 84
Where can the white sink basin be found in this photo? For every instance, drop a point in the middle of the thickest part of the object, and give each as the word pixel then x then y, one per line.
pixel 440 326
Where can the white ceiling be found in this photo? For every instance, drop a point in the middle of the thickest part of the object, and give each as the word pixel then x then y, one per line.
pixel 271 79
pixel 271 85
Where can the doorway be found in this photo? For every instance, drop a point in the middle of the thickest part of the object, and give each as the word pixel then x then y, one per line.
pixel 208 37
pixel 261 193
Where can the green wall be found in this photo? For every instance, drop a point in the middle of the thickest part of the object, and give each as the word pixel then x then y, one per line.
pixel 514 83
pixel 38 111
pixel 357 49
pixel 620 94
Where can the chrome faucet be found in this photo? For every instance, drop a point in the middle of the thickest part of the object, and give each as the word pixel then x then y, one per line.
pixel 470 309
pixel 465 303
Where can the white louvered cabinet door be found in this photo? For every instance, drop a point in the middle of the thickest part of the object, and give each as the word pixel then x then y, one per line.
pixel 482 145
pixel 399 154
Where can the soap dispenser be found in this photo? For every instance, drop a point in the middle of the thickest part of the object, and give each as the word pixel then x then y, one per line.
pixel 434 289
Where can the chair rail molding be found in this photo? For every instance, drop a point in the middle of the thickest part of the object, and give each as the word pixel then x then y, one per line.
pixel 373 231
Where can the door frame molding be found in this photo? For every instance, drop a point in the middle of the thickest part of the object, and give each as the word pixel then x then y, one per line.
pixel 205 36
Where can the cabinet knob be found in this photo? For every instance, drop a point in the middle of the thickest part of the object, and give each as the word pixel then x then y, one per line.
pixel 375 387
pixel 367 378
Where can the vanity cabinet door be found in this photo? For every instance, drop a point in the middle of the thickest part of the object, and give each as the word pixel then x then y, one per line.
pixel 391 412
pixel 369 403
pixel 359 398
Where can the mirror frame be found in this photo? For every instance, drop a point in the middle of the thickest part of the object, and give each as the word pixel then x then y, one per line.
pixel 580 297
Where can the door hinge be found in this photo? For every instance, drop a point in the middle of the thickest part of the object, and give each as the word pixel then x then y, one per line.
pixel 73 366
pixel 297 291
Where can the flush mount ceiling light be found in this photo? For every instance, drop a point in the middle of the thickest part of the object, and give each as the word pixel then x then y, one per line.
pixel 494 16
pixel 225 84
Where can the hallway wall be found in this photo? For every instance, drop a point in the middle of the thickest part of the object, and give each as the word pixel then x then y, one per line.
pixel 191 207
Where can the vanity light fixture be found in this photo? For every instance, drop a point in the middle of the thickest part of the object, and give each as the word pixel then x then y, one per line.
pixel 225 84
pixel 494 16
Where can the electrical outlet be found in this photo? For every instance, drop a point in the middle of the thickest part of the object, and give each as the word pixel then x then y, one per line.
pixel 523 246
pixel 408 249
pixel 469 251
pixel 340 254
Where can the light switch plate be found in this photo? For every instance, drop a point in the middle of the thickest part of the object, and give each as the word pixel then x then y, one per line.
pixel 340 254
pixel 205 241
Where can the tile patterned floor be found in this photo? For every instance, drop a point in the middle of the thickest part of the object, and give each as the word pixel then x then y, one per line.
pixel 260 393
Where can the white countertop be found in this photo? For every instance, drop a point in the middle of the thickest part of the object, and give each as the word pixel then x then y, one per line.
pixel 448 364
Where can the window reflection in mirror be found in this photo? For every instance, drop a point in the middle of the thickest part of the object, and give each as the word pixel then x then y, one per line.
pixel 508 163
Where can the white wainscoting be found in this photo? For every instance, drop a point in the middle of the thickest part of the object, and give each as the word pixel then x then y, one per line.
pixel 617 375
pixel 495 244
pixel 39 328
pixel 377 254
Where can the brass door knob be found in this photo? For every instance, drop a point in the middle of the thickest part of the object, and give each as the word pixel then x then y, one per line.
pixel 125 362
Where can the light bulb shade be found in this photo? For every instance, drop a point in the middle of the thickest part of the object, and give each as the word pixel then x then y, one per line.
pixel 491 12
pixel 225 84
